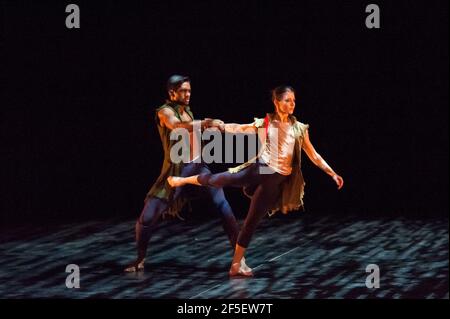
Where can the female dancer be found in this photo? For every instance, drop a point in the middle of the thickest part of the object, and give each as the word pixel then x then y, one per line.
pixel 274 179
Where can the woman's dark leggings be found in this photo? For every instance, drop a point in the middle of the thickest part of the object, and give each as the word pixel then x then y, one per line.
pixel 155 207
pixel 267 190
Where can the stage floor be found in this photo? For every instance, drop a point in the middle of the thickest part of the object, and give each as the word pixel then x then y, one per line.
pixel 295 257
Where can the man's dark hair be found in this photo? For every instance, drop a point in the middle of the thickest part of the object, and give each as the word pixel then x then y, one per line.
pixel 175 81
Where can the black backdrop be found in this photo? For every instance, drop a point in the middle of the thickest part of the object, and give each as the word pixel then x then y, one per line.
pixel 78 137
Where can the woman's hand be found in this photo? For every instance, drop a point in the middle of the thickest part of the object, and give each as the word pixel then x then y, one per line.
pixel 338 180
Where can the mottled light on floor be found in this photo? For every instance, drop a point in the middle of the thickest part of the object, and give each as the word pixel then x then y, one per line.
pixel 304 257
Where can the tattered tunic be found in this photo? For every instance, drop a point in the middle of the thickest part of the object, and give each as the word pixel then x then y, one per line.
pixel 292 192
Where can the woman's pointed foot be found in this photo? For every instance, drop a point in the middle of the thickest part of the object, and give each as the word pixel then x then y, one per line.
pixel 175 181
pixel 237 271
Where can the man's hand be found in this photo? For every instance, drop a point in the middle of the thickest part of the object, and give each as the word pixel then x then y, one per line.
pixel 218 122
pixel 214 123
pixel 339 180
pixel 206 123
pixel 219 125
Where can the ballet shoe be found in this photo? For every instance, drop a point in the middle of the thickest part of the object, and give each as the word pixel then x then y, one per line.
pixel 237 271
pixel 244 266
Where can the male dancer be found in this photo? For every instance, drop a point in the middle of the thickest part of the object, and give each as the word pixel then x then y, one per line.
pixel 162 198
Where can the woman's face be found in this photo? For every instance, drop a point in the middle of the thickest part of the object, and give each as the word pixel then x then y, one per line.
pixel 287 103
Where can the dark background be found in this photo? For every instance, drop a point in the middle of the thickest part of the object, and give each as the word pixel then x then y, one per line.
pixel 78 137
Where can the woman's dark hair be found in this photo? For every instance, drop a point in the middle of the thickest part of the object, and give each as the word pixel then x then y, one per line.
pixel 277 93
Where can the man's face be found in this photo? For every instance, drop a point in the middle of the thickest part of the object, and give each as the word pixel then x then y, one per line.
pixel 182 95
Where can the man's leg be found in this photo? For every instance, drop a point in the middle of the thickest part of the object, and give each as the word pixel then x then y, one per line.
pixel 153 209
pixel 224 209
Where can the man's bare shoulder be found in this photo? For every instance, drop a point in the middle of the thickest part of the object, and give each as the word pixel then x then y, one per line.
pixel 166 111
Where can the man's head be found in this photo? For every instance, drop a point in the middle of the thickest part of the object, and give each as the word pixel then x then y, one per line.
pixel 179 89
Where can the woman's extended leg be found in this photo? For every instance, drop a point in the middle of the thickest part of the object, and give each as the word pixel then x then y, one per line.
pixel 264 196
pixel 245 177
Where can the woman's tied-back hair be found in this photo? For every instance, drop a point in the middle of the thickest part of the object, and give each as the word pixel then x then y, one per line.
pixel 279 91
pixel 277 94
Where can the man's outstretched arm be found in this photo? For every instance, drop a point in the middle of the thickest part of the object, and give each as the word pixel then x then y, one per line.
pixel 168 119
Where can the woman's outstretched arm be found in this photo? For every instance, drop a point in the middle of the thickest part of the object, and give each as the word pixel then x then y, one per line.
pixel 239 128
pixel 319 161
